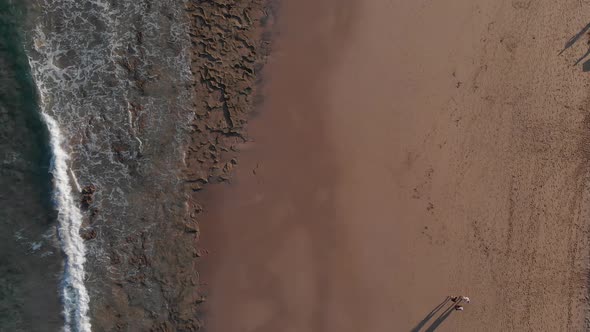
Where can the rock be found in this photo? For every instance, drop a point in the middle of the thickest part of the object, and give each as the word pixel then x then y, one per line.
pixel 87 196
pixel 191 228
pixel 89 235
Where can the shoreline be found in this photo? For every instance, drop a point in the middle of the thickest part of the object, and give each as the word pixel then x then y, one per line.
pixel 285 244
pixel 227 83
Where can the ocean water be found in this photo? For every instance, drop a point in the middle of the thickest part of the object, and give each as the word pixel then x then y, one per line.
pixel 109 84
pixel 30 255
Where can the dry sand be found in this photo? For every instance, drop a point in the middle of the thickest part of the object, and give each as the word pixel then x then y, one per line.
pixel 408 150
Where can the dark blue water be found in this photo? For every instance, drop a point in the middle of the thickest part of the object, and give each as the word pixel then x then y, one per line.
pixel 30 259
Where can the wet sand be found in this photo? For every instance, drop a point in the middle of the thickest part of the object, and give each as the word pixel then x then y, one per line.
pixel 407 151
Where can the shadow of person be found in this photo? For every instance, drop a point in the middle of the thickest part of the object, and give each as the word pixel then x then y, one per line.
pixel 575 38
pixel 441 318
pixel 572 41
pixel 430 315
pixel 582 57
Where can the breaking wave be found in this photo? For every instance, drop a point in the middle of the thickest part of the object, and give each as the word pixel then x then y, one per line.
pixel 75 296
pixel 106 72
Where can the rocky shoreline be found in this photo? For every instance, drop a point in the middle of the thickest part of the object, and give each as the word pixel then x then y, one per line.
pixel 154 279
pixel 230 44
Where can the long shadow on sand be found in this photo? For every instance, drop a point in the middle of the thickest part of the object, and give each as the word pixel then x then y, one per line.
pixel 572 41
pixel 430 315
pixel 441 318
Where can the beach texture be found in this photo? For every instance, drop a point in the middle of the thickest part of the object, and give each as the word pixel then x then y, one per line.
pixel 407 151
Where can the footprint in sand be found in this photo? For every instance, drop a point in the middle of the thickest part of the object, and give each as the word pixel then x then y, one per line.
pixel 521 4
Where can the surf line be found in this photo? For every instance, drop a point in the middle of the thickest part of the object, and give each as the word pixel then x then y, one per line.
pixel 74 294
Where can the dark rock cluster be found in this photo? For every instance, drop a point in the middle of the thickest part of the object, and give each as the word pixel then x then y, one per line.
pixel 88 235
pixel 87 196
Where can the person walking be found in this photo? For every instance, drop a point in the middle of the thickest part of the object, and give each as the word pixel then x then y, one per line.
pixel 459 299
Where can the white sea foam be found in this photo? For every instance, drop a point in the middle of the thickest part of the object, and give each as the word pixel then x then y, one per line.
pixel 75 55
pixel 75 181
pixel 75 296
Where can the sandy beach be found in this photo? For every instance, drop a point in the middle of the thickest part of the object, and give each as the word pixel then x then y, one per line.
pixel 407 151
